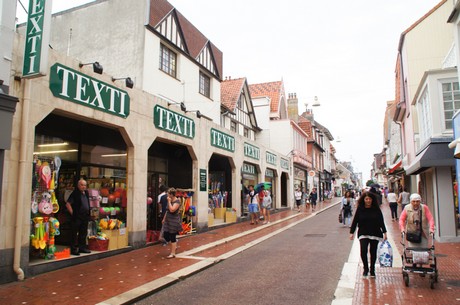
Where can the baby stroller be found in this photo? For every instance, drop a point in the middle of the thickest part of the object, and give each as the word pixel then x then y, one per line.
pixel 419 260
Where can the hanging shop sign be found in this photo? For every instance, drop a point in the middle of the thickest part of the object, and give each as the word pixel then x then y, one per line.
pixel 299 173
pixel 270 158
pixel 248 169
pixel 203 180
pixel 222 140
pixel 251 151
pixel 269 173
pixel 284 163
pixel 82 89
pixel 311 173
pixel 37 38
pixel 173 122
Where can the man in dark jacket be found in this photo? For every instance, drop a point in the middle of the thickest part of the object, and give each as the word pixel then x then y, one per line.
pixel 78 207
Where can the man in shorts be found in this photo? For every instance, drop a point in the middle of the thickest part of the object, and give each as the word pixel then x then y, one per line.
pixel 253 205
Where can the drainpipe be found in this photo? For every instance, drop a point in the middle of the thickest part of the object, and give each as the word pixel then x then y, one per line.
pixel 21 180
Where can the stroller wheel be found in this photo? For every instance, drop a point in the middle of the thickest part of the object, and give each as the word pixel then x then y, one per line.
pixel 432 280
pixel 406 279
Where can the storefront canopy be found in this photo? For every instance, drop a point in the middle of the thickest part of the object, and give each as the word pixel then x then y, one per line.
pixel 434 155
pixel 395 167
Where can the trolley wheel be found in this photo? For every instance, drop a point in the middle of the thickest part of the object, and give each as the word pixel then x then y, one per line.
pixel 406 279
pixel 432 280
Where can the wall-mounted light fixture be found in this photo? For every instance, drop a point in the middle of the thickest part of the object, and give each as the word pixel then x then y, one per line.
pixel 182 105
pixel 198 113
pixel 128 81
pixel 97 67
pixel 455 144
pixel 316 102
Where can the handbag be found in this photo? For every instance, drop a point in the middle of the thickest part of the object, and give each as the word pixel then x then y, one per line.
pixel 340 217
pixel 415 236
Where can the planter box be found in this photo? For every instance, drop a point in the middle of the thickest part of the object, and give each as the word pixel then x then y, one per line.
pixel 112 235
pixel 230 216
pixel 219 213
pixel 210 220
pixel 122 238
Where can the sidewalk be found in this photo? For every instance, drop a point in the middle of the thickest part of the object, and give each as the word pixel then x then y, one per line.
pixel 388 286
pixel 125 277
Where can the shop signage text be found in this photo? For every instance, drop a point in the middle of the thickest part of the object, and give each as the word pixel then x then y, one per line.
pixel 251 151
pixel 222 140
pixel 270 158
pixel 269 173
pixel 203 180
pixel 173 122
pixel 37 38
pixel 284 163
pixel 299 173
pixel 248 169
pixel 73 86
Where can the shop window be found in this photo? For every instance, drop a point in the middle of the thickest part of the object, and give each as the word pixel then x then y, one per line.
pixel 103 155
pixel 66 150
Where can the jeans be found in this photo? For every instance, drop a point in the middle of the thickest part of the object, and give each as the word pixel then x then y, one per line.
pixel 394 210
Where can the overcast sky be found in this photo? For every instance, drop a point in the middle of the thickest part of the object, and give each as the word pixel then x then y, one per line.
pixel 344 52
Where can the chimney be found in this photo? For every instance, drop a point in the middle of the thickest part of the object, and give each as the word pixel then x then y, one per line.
pixel 293 107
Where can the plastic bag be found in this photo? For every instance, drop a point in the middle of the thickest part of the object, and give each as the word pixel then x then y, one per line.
pixel 385 254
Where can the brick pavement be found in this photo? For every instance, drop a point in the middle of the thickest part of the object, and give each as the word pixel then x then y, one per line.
pixel 388 287
pixel 132 272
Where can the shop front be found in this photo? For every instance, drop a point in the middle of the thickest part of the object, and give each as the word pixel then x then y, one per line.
pixel 300 180
pixel 249 176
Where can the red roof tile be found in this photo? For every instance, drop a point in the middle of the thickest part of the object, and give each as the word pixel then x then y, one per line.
pixel 272 90
pixel 230 91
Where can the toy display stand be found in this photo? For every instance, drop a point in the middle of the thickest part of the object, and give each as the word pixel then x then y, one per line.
pixel 188 210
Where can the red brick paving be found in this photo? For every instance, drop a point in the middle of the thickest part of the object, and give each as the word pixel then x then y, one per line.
pixel 388 287
pixel 96 281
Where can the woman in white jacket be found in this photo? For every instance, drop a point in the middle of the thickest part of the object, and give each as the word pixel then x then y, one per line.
pixel 347 205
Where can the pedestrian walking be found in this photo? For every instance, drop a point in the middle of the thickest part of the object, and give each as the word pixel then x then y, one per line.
pixel 371 229
pixel 253 205
pixel 313 199
pixel 266 206
pixel 306 200
pixel 404 198
pixel 347 205
pixel 298 198
pixel 417 219
pixel 393 201
pixel 172 221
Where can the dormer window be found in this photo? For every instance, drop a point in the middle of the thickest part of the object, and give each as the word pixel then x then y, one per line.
pixel 205 85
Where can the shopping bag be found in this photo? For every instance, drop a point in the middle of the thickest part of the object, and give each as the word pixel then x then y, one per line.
pixel 385 254
pixel 340 217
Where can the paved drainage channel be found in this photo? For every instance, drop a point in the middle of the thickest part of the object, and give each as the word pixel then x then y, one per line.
pixel 314 235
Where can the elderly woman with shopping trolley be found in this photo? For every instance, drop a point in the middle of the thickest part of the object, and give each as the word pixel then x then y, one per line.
pixel 417 229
